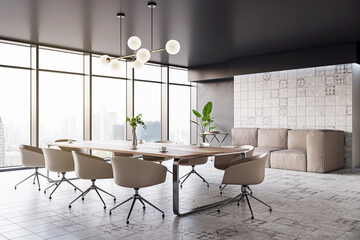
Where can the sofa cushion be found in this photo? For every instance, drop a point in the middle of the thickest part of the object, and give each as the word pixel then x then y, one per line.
pixel 244 136
pixel 291 159
pixel 297 139
pixel 261 150
pixel 272 138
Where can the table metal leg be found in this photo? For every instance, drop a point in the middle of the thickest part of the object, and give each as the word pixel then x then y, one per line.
pixel 223 140
pixel 176 199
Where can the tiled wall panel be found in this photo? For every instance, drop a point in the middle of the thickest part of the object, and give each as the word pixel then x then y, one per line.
pixel 310 98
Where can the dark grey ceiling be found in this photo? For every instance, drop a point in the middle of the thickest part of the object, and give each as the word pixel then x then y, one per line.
pixel 209 31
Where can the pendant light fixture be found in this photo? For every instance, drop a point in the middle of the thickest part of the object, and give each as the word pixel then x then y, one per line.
pixel 142 55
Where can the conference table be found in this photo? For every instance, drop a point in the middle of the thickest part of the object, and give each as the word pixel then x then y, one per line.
pixel 177 152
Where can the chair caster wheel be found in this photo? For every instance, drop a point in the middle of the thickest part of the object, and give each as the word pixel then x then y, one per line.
pixel 127 222
pixel 181 186
pixel 252 217
pixel 82 199
pixel 220 187
pixel 163 215
pixel 207 185
pixel 144 208
pixel 238 204
pixel 220 192
pixel 110 213
pixel 270 209
pixel 15 187
pixel 39 189
pixel 33 182
pixel 69 206
pixel 44 191
pixel 114 199
pixel 104 207
pixel 218 210
pixel 49 197
pixel 74 189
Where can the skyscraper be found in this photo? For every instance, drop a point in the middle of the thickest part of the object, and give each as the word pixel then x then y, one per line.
pixel 2 144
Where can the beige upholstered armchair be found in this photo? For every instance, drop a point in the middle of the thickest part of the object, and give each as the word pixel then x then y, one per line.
pixel 92 168
pixel 245 172
pixel 59 161
pixel 32 157
pixel 127 172
pixel 224 161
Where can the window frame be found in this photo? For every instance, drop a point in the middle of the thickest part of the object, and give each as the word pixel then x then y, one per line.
pixel 87 75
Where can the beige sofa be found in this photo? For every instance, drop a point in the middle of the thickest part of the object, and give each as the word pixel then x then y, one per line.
pixel 300 150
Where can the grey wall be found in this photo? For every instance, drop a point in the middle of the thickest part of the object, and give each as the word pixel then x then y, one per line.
pixel 221 93
pixel 356 115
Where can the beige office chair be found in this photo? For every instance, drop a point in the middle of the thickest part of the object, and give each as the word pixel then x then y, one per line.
pixel 193 162
pixel 159 159
pixel 92 168
pixel 59 161
pixel 224 161
pixel 69 149
pixel 136 173
pixel 245 172
pixel 32 157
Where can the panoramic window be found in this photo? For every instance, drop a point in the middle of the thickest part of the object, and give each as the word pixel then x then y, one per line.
pixel 60 96
pixel 179 114
pixel 108 108
pixel 14 117
pixel 148 103
pixel 179 106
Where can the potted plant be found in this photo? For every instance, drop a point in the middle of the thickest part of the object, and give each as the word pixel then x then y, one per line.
pixel 205 120
pixel 134 122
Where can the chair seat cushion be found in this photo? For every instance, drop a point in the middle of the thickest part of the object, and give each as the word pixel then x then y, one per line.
pixel 291 159
pixel 268 150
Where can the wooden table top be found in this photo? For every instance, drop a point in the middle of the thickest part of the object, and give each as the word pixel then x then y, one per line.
pixel 151 149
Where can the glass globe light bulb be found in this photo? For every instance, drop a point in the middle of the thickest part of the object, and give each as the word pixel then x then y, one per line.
pixel 104 60
pixel 143 55
pixel 172 47
pixel 134 43
pixel 115 65
pixel 137 65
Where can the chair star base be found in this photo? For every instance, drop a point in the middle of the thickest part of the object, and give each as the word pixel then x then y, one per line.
pixel 57 184
pixel 193 171
pixel 36 175
pixel 97 189
pixel 245 193
pixel 135 197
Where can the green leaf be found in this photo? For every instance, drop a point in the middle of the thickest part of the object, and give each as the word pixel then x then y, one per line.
pixel 207 109
pixel 194 122
pixel 196 113
pixel 212 128
pixel 205 118
pixel 206 124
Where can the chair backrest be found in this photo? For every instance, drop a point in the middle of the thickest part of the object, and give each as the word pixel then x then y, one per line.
pixel 91 167
pixel 223 161
pixel 247 149
pixel 58 160
pixel 70 149
pixel 247 171
pixel 32 156
pixel 136 173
